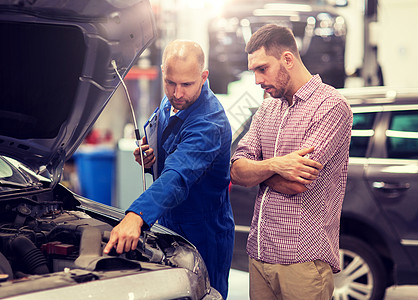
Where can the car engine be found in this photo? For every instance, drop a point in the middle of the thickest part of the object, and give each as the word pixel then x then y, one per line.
pixel 38 236
pixel 42 236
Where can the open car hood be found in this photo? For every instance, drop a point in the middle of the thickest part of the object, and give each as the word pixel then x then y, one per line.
pixel 56 73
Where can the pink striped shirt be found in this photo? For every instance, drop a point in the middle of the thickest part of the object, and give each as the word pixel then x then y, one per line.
pixel 288 229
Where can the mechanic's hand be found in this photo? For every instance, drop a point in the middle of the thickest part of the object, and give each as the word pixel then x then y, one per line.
pixel 281 185
pixel 149 159
pixel 124 237
pixel 295 167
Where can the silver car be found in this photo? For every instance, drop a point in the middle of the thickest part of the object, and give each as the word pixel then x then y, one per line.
pixel 58 71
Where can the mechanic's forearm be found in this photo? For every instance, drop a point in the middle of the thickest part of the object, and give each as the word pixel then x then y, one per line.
pixel 249 173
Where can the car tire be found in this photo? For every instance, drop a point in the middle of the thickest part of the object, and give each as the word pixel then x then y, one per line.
pixel 362 275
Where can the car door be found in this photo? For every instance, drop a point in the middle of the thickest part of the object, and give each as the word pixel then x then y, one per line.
pixel 392 173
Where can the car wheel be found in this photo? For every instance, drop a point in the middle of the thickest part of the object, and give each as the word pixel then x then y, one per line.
pixel 362 273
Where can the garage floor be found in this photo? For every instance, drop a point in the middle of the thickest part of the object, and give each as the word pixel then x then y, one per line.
pixel 238 285
pixel 238 289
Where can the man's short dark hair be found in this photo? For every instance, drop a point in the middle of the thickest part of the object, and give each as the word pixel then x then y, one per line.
pixel 275 39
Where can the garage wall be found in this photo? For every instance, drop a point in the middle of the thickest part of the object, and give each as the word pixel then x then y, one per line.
pixel 398 42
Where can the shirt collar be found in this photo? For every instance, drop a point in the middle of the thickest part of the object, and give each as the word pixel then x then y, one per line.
pixel 308 88
pixel 172 113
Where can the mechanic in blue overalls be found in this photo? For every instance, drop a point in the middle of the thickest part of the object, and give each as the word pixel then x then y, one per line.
pixel 190 194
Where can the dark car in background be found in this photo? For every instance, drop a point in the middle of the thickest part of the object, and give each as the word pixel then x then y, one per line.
pixel 319 30
pixel 379 221
pixel 59 68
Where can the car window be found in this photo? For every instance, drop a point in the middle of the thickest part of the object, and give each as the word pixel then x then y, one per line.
pixel 5 170
pixel 361 133
pixel 10 178
pixel 402 135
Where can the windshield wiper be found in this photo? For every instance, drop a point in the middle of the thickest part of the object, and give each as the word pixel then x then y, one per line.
pixel 17 185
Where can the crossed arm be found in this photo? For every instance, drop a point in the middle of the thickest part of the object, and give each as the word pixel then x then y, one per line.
pixel 286 174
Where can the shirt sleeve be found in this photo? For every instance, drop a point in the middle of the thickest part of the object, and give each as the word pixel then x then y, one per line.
pixel 330 134
pixel 199 146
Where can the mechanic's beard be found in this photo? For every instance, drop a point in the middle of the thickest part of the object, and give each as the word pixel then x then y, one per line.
pixel 186 102
pixel 178 106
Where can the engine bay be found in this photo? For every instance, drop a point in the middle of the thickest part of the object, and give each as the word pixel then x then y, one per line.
pixel 38 236
pixel 42 236
pixel 52 238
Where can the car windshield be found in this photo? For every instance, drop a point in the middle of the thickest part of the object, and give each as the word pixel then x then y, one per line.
pixel 10 177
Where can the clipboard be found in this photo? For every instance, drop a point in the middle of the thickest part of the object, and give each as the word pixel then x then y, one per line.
pixel 151 134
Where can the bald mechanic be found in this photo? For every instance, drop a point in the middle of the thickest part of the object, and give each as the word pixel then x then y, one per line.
pixel 190 195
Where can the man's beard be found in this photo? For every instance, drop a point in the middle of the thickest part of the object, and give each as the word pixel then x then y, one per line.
pixel 281 85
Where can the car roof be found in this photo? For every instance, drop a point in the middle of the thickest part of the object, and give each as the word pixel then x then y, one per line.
pixel 380 97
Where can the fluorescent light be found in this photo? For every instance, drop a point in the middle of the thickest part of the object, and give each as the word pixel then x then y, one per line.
pixel 288 6
pixel 357 133
pixel 274 12
pixel 402 134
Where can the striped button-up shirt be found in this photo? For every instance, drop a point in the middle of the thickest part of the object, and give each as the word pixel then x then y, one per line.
pixel 288 229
